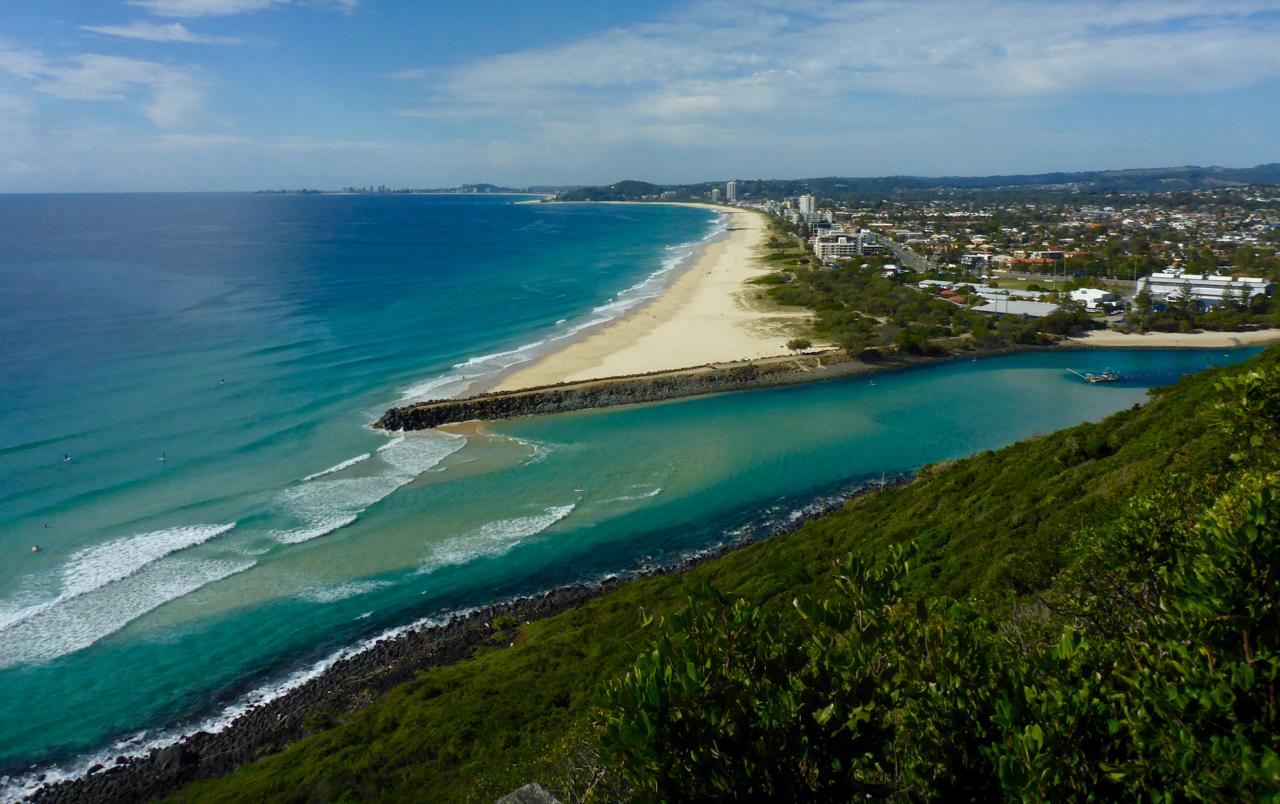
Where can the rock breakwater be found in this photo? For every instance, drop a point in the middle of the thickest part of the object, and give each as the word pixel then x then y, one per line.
pixel 655 387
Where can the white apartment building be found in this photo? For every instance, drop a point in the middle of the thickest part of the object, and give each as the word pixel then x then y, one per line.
pixel 731 191
pixel 837 247
pixel 1093 298
pixel 1207 288
pixel 843 246
pixel 806 204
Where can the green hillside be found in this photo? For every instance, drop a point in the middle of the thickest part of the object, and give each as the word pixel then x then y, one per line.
pixel 619 191
pixel 971 576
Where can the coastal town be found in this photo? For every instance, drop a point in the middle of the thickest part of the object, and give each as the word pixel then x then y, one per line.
pixel 1175 261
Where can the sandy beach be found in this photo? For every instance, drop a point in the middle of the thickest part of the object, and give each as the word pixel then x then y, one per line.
pixel 1178 340
pixel 705 316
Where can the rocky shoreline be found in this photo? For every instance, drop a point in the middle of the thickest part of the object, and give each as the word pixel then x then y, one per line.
pixel 359 679
pixel 666 385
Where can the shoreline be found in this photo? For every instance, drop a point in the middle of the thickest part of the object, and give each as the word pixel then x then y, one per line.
pixel 727 377
pixel 701 317
pixel 482 373
pixel 352 679
pixel 1204 339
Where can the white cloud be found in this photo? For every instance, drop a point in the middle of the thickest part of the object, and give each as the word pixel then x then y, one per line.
pixel 158 32
pixel 168 96
pixel 191 141
pixel 22 63
pixel 223 8
pixel 203 8
pixel 720 59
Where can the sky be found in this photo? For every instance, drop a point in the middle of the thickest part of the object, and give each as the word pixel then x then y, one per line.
pixel 152 95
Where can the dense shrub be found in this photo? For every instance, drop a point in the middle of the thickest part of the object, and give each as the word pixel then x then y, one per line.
pixel 1150 672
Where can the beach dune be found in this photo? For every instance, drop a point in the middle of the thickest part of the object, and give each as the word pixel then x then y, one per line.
pixel 706 316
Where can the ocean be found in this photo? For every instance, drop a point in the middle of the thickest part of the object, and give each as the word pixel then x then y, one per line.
pixel 186 387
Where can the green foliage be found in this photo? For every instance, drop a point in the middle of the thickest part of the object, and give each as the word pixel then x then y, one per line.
pixel 1156 678
pixel 799 344
pixel 1251 414
pixel 834 701
pixel 1033 541
pixel 1164 684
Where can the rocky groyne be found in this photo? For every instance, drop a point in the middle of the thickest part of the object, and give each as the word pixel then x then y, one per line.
pixel 655 387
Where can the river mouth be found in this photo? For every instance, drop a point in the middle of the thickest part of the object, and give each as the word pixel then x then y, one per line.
pixel 532 504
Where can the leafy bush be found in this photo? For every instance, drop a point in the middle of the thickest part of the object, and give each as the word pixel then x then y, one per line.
pixel 1152 672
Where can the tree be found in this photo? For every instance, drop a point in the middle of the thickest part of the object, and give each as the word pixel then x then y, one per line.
pixel 1244 258
pixel 1230 299
pixel 1185 301
pixel 1143 306
pixel 799 344
pixel 1206 261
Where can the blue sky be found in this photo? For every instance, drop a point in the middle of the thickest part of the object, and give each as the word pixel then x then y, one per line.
pixel 243 94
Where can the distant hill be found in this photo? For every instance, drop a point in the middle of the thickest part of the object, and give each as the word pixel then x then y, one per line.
pixel 618 191
pixel 1186 177
pixel 1138 180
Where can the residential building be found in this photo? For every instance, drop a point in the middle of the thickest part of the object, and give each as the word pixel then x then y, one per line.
pixel 976 261
pixel 806 204
pixel 1010 307
pixel 731 191
pixel 1208 289
pixel 837 247
pixel 1093 298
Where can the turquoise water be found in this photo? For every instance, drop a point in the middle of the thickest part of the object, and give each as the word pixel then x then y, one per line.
pixel 249 340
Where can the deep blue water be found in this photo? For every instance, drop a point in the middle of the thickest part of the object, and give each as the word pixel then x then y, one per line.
pixel 249 340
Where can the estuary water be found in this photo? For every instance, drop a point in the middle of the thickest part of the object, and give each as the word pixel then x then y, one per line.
pixel 186 383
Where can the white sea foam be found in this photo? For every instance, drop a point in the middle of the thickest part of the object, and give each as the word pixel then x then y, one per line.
pixel 343 591
pixel 327 504
pixel 319 528
pixel 391 443
pixel 630 497
pixel 463 375
pixel 538 450
pixel 347 464
pixel 492 538
pixel 81 621
pixel 93 568
pixel 422 451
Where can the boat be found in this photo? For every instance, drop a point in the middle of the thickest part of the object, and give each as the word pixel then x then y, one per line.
pixel 1107 375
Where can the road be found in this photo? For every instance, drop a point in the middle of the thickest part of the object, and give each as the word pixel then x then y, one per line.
pixel 907 257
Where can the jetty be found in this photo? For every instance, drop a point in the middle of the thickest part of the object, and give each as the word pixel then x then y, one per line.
pixel 634 389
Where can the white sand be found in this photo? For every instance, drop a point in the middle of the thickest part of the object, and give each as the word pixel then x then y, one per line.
pixel 705 316
pixel 1179 340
